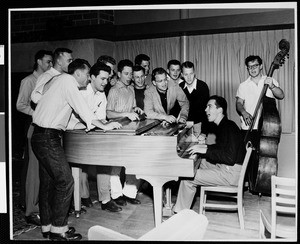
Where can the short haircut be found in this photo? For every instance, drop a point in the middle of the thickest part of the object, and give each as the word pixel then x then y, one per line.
pixel 158 71
pixel 220 102
pixel 97 67
pixel 59 51
pixel 78 64
pixel 140 58
pixel 123 63
pixel 187 65
pixel 39 55
pixel 106 59
pixel 252 58
pixel 173 62
pixel 138 68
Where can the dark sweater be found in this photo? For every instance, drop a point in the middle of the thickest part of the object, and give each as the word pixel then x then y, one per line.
pixel 198 100
pixel 139 97
pixel 229 148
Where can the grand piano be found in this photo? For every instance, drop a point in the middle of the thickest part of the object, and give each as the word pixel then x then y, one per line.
pixel 146 148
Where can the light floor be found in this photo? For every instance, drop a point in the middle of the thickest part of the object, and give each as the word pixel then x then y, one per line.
pixel 136 220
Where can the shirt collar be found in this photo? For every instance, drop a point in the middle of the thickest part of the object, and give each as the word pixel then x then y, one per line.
pixel 263 77
pixel 36 74
pixel 192 87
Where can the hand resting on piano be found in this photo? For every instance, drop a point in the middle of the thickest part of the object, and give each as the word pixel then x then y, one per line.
pixel 200 148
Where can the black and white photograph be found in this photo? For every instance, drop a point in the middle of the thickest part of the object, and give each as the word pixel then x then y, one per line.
pixel 150 122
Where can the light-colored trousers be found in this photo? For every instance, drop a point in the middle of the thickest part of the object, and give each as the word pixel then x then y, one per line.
pixel 208 174
pixel 130 188
pixel 32 183
pixel 103 187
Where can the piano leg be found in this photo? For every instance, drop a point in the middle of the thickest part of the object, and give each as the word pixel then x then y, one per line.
pixel 157 183
pixel 76 172
pixel 167 209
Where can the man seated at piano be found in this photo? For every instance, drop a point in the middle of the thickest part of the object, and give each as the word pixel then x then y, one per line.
pixel 94 96
pixel 221 162
pixel 161 98
pixel 121 103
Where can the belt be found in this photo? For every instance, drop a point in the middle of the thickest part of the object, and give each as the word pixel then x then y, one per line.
pixel 38 129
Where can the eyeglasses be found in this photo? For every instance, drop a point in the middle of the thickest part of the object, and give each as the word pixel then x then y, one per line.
pixel 251 67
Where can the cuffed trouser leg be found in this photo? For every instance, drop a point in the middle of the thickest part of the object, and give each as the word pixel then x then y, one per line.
pixel 115 183
pixel 103 187
pixel 57 184
pixel 131 186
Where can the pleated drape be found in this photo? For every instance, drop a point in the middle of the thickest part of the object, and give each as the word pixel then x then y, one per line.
pixel 219 61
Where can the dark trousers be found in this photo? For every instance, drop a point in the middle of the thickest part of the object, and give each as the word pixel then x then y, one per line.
pixel 56 181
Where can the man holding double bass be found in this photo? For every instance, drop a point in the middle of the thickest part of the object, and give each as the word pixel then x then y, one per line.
pixel 248 94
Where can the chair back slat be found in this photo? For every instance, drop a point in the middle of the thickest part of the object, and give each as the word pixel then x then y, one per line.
pixel 283 199
pixel 285 209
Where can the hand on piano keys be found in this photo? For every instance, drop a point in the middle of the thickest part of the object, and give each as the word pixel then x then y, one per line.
pixel 112 125
pixel 200 148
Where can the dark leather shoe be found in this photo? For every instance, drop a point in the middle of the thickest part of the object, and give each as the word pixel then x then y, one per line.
pixel 67 236
pixel 132 200
pixel 111 206
pixel 87 202
pixel 33 219
pixel 120 201
pixel 47 233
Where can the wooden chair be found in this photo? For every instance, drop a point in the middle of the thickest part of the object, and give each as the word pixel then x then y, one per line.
pixel 228 191
pixel 187 225
pixel 280 219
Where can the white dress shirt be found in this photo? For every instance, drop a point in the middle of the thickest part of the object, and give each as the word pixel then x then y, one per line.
pixel 96 101
pixel 26 88
pixel 55 107
pixel 250 92
pixel 40 83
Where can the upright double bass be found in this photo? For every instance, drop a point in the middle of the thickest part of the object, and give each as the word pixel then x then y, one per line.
pixel 264 161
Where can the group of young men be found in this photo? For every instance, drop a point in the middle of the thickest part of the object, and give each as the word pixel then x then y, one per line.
pixel 66 94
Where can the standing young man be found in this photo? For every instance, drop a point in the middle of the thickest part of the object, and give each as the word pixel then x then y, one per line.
pixel 30 171
pixel 197 93
pixel 121 103
pixel 249 91
pixel 144 61
pixel 160 98
pixel 247 97
pixel 62 58
pixel 139 85
pixel 111 62
pixel 96 100
pixel 174 71
pixel 50 119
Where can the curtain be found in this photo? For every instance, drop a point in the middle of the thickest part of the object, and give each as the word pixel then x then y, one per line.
pixel 160 50
pixel 219 61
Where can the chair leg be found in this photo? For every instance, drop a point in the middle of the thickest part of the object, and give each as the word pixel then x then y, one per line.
pixel 240 212
pixel 261 227
pixel 202 201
